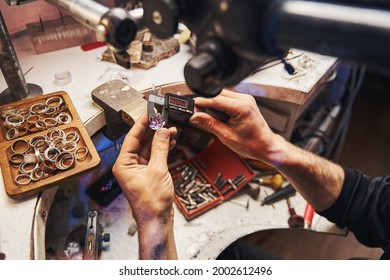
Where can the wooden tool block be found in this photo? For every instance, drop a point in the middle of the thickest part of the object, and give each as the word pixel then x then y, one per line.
pixel 10 170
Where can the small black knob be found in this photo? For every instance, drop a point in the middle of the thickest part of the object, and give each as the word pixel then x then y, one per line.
pixel 106 237
pixel 161 17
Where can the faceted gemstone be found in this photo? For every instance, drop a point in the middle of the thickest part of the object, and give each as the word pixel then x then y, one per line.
pixel 157 121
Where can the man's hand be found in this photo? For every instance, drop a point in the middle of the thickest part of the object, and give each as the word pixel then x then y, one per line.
pixel 142 172
pixel 245 132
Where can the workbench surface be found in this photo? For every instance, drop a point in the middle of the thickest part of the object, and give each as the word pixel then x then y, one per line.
pixel 203 237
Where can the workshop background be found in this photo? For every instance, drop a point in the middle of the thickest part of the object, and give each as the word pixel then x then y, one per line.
pixel 365 148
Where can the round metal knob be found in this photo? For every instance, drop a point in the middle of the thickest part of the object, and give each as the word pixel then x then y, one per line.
pixel 161 17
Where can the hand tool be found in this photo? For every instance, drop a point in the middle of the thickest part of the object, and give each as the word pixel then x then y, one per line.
pixel 308 216
pixel 178 108
pixel 294 221
pixel 275 181
pixel 280 194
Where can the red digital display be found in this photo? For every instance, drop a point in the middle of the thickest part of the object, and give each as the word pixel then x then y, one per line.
pixel 177 102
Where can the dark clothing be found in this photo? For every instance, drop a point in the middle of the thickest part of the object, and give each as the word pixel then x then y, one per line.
pixel 364 207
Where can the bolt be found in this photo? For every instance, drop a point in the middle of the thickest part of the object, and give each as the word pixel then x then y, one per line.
pixel 157 17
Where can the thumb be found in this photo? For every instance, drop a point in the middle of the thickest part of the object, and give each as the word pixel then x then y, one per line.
pixel 160 148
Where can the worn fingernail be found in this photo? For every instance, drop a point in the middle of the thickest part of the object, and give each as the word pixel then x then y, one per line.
pixel 163 133
pixel 194 121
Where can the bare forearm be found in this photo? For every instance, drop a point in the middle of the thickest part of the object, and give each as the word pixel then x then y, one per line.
pixel 156 241
pixel 318 180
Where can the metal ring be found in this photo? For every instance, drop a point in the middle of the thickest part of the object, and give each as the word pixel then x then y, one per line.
pixel 23 179
pixel 69 146
pixel 38 108
pixel 20 146
pixel 25 112
pixel 65 161
pixel 38 155
pixel 48 166
pixel 72 136
pixel 50 111
pixel 41 145
pixel 22 131
pixel 64 118
pixel 23 167
pixel 16 159
pixel 13 120
pixel 41 125
pixel 54 133
pixel 51 153
pixel 57 100
pixel 83 155
pixel 32 119
pixel 36 174
pixel 57 143
pixel 32 128
pixel 36 138
pixel 50 122
pixel 12 133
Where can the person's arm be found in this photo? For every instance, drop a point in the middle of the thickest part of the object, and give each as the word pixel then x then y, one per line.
pixel 247 133
pixel 142 172
pixel 344 196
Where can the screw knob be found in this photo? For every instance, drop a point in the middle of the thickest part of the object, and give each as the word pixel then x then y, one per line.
pixel 162 17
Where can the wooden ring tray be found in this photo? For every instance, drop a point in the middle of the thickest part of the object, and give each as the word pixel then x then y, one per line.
pixel 10 171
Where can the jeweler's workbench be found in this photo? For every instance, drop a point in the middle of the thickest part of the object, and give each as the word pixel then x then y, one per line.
pixel 23 222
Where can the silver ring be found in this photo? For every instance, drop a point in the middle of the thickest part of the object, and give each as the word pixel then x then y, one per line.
pixel 50 111
pixel 34 139
pixel 41 125
pixel 38 108
pixel 24 112
pixel 50 122
pixel 57 100
pixel 65 161
pixel 16 159
pixel 69 146
pixel 51 153
pixel 72 136
pixel 20 146
pixel 36 174
pixel 83 155
pixel 54 133
pixel 64 118
pixel 32 119
pixel 13 120
pixel 12 133
pixel 23 179
pixel 23 167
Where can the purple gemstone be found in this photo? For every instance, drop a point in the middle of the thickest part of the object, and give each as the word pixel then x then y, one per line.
pixel 157 121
